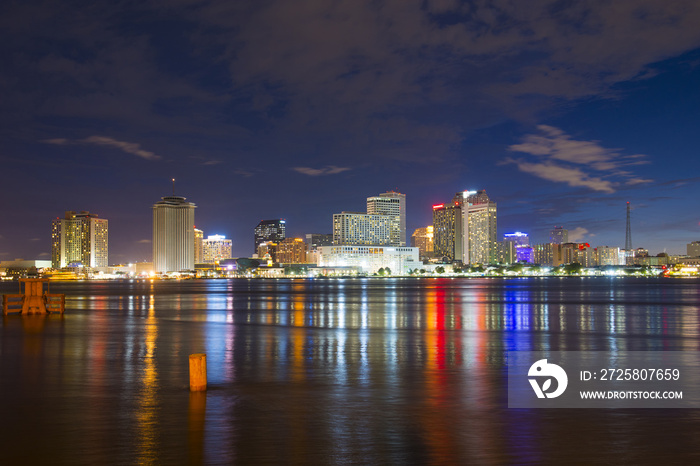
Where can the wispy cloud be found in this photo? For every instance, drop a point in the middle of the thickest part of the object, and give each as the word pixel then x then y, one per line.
pixel 578 163
pixel 327 170
pixel 128 147
pixel 144 241
pixel 578 234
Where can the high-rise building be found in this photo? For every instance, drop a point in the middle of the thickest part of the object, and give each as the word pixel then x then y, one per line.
pixel 447 232
pixel 357 228
pixel 215 249
pixel 693 249
pixel 610 256
pixel 270 230
pixel 79 238
pixel 291 251
pixel 422 239
pixel 393 204
pixel 479 228
pixel 268 251
pixel 173 235
pixel 558 235
pixel 198 246
pixel 548 254
pixel 314 240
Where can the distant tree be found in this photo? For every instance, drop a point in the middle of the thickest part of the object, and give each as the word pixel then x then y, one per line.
pixel 387 271
pixel 439 269
pixel 573 268
pixel 422 270
pixel 380 272
pixel 245 264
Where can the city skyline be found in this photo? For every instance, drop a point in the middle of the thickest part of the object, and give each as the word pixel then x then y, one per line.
pixel 562 111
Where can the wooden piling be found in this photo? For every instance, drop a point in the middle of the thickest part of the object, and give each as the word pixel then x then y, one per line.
pixel 198 372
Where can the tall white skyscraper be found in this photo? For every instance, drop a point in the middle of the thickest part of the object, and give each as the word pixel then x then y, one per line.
pixel 173 235
pixel 393 204
pixel 79 238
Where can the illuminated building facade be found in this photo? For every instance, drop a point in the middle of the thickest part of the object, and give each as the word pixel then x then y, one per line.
pixel 291 251
pixel 521 245
pixel 422 239
pixel 548 254
pixel 480 231
pixel 610 256
pixel 447 232
pixel 394 205
pixel 198 246
pixel 79 238
pixel 370 258
pixel 356 228
pixel 173 235
pixel 270 230
pixel 215 249
pixel 558 235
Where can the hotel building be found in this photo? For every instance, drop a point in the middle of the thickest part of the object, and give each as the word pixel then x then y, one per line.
pixel 215 249
pixel 79 238
pixel 394 205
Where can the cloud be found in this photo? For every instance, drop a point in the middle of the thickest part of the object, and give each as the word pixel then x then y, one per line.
pixel 327 170
pixel 44 254
pixel 144 241
pixel 128 147
pixel 578 234
pixel 556 156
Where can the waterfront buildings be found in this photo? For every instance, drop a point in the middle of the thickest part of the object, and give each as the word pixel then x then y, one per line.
pixel 79 238
pixel 610 256
pixel 291 251
pixel 392 204
pixel 465 230
pixel 173 235
pixel 270 230
pixel 357 228
pixel 215 249
pixel 447 232
pixel 370 258
pixel 422 239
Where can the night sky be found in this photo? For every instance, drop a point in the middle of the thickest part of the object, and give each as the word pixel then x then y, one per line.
pixel 561 110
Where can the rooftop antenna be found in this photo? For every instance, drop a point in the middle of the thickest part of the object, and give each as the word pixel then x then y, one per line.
pixel 628 233
pixel 174 188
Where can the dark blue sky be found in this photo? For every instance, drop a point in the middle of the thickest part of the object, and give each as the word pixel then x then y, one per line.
pixel 561 110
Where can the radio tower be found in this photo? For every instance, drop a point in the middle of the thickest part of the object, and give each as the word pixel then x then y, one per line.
pixel 628 233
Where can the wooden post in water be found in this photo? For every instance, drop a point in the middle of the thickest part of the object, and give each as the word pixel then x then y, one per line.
pixel 198 372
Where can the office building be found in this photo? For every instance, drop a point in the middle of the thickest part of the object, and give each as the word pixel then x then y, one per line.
pixel 479 228
pixel 198 246
pixel 267 251
pixel 356 228
pixel 270 230
pixel 447 232
pixel 394 205
pixel 291 251
pixel 693 249
pixel 79 238
pixel 173 235
pixel 549 254
pixel 422 239
pixel 610 256
pixel 215 249
pixel 558 235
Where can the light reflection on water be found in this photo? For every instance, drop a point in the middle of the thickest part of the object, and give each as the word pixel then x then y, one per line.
pixel 331 371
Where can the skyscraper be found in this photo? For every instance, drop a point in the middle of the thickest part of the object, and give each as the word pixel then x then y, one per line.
pixel 270 230
pixel 79 238
pixel 215 249
pixel 481 229
pixel 558 235
pixel 393 204
pixel 447 232
pixel 465 230
pixel 173 234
